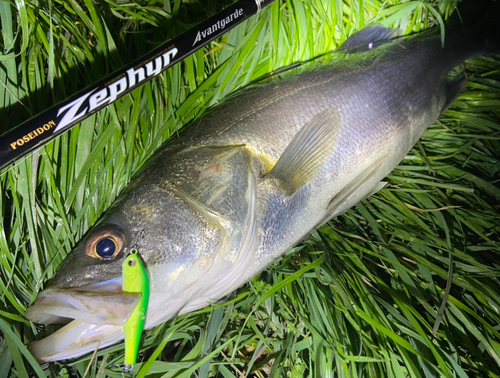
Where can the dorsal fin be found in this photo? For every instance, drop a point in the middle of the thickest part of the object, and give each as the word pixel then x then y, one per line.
pixel 368 38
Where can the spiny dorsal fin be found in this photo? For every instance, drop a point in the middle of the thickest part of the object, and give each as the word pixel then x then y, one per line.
pixel 365 40
pixel 308 152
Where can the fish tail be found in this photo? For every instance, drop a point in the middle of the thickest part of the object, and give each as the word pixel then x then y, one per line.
pixel 474 29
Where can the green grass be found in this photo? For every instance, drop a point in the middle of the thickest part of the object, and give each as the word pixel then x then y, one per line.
pixel 403 285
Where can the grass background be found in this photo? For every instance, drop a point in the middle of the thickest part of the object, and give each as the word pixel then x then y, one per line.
pixel 403 285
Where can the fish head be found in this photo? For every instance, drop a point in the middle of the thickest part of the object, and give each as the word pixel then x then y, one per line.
pixel 86 295
pixel 86 292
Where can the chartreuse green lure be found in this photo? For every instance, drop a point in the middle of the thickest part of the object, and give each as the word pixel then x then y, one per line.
pixel 135 280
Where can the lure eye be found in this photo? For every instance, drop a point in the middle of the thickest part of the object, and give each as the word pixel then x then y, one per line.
pixel 105 244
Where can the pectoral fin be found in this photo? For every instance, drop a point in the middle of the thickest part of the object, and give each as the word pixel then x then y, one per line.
pixel 308 151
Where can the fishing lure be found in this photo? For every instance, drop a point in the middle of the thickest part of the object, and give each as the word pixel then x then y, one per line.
pixel 135 280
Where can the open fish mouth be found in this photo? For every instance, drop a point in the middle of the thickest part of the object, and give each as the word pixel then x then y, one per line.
pixel 93 315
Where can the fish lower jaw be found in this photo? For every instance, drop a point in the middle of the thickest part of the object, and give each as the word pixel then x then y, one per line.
pixel 76 338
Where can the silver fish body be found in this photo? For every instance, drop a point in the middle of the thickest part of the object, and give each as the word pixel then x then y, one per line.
pixel 249 181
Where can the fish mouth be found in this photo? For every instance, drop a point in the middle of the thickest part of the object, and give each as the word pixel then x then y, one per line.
pixel 93 316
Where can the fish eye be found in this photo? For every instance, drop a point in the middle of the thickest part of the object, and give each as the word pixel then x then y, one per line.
pixel 105 244
pixel 105 248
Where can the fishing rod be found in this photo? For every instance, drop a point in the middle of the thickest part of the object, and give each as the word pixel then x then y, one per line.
pixel 41 129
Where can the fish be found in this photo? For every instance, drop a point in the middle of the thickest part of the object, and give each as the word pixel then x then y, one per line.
pixel 254 177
